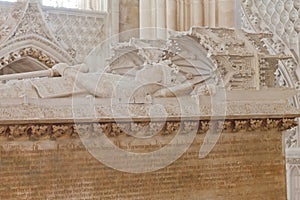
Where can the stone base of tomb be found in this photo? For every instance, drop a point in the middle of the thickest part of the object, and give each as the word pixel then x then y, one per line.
pixel 42 155
pixel 248 162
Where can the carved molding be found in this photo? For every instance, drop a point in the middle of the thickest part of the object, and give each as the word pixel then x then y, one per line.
pixel 16 111
pixel 293 161
pixel 61 131
pixel 34 53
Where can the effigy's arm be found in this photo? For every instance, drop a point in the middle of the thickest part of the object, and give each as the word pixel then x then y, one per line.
pixel 53 72
pixel 98 84
pixel 28 75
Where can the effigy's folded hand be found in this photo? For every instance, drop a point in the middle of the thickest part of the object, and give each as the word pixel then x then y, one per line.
pixel 60 68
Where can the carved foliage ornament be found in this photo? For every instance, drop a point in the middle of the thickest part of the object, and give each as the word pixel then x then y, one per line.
pixel 28 52
pixel 60 131
pixel 9 17
pixel 240 55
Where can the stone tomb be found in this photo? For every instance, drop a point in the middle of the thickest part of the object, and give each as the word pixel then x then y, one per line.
pixel 179 139
pixel 46 159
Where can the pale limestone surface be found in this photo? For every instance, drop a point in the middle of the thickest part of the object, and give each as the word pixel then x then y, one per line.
pixel 129 19
pixel 250 67
pixel 281 18
pixel 156 72
pixel 188 63
pixel 180 15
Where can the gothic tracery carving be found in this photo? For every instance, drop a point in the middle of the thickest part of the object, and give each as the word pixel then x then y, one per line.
pixel 68 33
pixel 281 19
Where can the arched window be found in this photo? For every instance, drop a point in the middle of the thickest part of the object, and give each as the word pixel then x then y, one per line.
pixel 97 5
pixel 65 3
pixel 9 0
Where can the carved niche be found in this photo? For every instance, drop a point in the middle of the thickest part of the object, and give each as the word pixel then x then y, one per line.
pixel 47 35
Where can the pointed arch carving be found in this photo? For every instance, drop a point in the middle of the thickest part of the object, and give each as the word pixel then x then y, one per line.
pixel 37 48
pixel 47 35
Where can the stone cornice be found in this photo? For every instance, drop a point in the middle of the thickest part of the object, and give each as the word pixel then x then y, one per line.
pixel 18 111
pixel 40 131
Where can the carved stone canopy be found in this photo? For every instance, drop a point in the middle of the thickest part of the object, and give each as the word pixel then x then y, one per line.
pixel 45 35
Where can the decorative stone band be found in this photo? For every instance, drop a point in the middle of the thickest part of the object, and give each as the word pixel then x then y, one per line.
pixel 58 118
pixel 67 130
pixel 293 161
pixel 27 52
pixel 271 103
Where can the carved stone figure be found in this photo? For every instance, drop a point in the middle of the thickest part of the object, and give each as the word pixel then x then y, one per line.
pixel 158 68
pixel 188 63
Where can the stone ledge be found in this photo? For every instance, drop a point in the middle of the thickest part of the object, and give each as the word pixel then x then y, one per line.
pixel 70 130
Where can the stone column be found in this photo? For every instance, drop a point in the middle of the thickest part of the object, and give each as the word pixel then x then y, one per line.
pixel 205 14
pixel 181 15
pixel 129 22
pixel 82 4
pixel 161 19
pixel 187 15
pixel 298 51
pixel 238 14
pixel 113 17
pixel 197 12
pixel 172 14
pixel 210 13
pixel 226 10
pixel 147 19
pixel 93 4
pixel 86 4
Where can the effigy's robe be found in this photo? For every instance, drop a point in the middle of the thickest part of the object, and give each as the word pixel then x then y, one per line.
pixel 56 87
